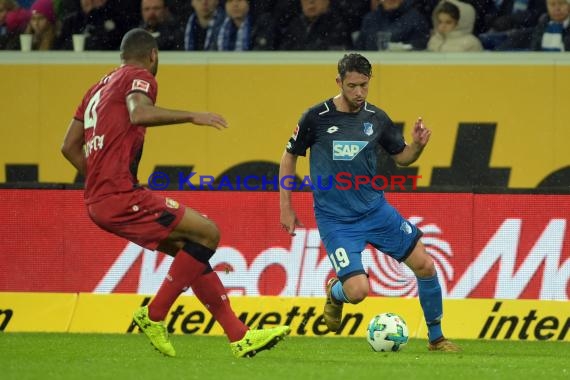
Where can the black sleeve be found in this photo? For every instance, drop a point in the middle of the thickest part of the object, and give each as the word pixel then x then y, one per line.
pixel 391 138
pixel 301 138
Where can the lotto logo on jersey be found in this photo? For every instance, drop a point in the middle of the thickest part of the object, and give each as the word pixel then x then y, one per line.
pixel 139 84
pixel 347 150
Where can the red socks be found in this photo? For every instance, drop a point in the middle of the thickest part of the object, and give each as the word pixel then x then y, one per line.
pixel 186 271
pixel 183 271
pixel 211 292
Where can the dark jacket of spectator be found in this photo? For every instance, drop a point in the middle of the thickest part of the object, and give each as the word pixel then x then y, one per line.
pixel 198 38
pixel 539 30
pixel 327 32
pixel 406 24
pixel 271 18
pixel 104 28
pixel 514 14
pixel 168 34
pixel 352 12
pixel 264 33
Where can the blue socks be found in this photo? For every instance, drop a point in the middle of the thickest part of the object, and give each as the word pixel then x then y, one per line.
pixel 432 305
pixel 430 299
pixel 338 293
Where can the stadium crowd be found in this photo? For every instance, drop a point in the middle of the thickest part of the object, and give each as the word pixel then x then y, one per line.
pixel 292 25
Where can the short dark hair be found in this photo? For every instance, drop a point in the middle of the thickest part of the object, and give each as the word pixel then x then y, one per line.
pixel 137 44
pixel 450 9
pixel 354 62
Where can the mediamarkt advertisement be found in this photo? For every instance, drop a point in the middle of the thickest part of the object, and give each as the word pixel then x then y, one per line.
pixel 485 246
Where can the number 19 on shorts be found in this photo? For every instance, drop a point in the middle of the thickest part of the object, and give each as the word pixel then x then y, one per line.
pixel 339 259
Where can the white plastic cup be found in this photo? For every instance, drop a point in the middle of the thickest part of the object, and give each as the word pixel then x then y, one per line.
pixel 25 42
pixel 78 42
pixel 383 40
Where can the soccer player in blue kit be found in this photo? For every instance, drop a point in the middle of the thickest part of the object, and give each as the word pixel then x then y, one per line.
pixel 344 135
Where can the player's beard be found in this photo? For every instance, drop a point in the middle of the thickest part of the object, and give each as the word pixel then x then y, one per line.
pixel 353 104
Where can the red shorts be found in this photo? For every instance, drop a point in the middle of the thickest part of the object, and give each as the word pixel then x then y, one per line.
pixel 139 216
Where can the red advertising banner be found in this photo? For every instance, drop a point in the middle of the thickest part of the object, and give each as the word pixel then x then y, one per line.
pixel 484 246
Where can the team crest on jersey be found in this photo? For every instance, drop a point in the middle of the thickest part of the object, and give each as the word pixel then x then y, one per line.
pixel 171 203
pixel 368 129
pixel 406 228
pixel 142 85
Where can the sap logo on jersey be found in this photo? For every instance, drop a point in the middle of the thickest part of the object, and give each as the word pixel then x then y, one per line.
pixel 347 150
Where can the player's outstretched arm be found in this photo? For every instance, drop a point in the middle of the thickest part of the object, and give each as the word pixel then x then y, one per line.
pixel 143 112
pixel 420 138
pixel 72 147
pixel 287 169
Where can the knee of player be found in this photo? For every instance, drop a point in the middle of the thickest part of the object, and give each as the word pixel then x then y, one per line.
pixel 426 269
pixel 359 297
pixel 207 234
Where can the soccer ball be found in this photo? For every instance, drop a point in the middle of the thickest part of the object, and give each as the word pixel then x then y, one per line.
pixel 387 332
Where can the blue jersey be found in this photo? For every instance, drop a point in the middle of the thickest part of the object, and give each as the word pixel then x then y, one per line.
pixel 343 146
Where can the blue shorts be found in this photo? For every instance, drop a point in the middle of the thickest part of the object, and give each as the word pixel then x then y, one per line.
pixel 384 228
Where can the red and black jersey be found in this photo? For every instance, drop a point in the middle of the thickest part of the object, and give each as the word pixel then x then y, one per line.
pixel 113 145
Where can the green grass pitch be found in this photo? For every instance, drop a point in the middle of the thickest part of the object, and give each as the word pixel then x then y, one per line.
pixel 101 356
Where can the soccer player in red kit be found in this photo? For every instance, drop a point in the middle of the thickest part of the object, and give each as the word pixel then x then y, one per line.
pixel 104 142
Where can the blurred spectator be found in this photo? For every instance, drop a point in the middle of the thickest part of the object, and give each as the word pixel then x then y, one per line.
pixel 203 25
pixel 130 10
pixel 513 14
pixel 25 3
pixel 42 25
pixel 398 17
pixel 67 7
pixel 235 31
pixel 259 7
pixel 426 7
pixel 239 32
pixel 352 12
pixel 180 11
pixel 317 28
pixel 5 7
pixel 482 8
pixel 271 18
pixel 453 29
pixel 284 11
pixel 102 25
pixel 18 20
pixel 156 19
pixel 508 24
pixel 265 32
pixel 553 30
